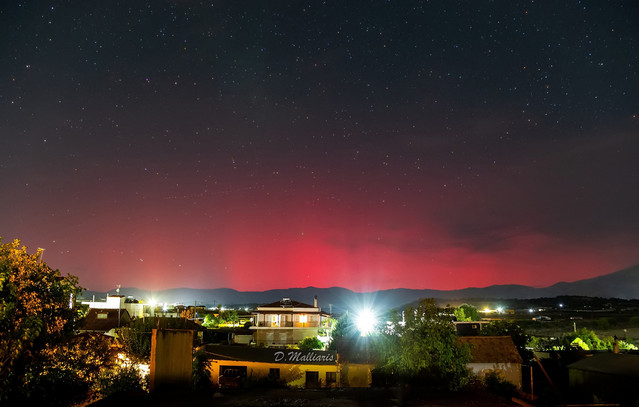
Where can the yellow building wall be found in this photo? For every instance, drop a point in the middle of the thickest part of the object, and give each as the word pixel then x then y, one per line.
pixel 292 374
pixel 356 374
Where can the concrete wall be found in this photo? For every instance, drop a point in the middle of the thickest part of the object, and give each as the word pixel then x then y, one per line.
pixel 171 358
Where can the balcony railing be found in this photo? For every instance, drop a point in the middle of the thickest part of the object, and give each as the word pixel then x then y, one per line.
pixel 288 324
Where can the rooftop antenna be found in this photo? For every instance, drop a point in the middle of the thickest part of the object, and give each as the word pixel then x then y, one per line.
pixel 117 290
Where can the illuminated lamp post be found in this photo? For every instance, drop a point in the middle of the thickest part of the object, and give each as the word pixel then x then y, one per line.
pixel 365 321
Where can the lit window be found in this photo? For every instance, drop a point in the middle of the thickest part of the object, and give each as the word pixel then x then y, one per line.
pixel 303 318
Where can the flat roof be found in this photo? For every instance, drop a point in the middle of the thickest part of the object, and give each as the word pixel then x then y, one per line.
pixel 617 364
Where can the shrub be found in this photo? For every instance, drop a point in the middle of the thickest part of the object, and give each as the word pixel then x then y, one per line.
pixel 310 343
pixel 201 373
pixel 496 384
pixel 125 379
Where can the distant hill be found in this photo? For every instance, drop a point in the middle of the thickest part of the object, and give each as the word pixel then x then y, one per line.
pixel 622 284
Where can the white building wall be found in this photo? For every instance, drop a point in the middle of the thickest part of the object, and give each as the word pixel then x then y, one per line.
pixel 509 371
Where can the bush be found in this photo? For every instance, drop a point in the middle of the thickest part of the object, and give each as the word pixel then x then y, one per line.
pixel 496 384
pixel 57 387
pixel 310 343
pixel 201 373
pixel 125 379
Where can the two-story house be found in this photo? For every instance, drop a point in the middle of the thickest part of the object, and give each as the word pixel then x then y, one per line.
pixel 287 322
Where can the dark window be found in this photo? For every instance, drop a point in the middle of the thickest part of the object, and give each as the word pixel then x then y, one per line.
pixel 312 377
pixel 274 374
pixel 233 371
pixel 231 376
pixel 331 377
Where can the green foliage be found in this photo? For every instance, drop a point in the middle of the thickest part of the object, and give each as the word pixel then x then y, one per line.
pixel 344 330
pixel 226 317
pixel 211 321
pixel 136 338
pixel 623 345
pixel 229 317
pixel 119 380
pixel 508 328
pixel 201 373
pixel 544 344
pixel 585 339
pixel 310 343
pixel 634 321
pixel 579 343
pixel 496 384
pixel 35 314
pixel 57 387
pixel 420 345
pixel 466 312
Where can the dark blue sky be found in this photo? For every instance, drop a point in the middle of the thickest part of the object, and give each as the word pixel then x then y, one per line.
pixel 259 145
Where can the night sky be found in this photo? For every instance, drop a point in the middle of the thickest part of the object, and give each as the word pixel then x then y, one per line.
pixel 363 144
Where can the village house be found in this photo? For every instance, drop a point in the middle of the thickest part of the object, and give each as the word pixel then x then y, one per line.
pixel 287 322
pixel 234 366
pixel 494 354
pixel 135 309
pixel 105 320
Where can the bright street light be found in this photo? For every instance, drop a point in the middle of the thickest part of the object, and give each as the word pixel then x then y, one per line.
pixel 365 322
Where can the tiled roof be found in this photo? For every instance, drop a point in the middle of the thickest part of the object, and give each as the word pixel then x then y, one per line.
pixel 287 304
pixel 103 320
pixel 491 349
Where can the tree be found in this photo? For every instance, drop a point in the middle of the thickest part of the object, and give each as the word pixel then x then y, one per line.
pixel 121 380
pixel 67 371
pixel 420 345
pixel 36 314
pixel 344 331
pixel 187 313
pixel 586 340
pixel 211 321
pixel 310 343
pixel 136 338
pixel 230 317
pixel 512 329
pixel 466 312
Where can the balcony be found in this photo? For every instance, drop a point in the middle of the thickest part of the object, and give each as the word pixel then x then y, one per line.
pixel 287 324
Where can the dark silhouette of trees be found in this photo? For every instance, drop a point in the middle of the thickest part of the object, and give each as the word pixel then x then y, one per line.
pixel 419 345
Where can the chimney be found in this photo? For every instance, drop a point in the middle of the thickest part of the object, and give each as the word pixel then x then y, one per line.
pixel 315 302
